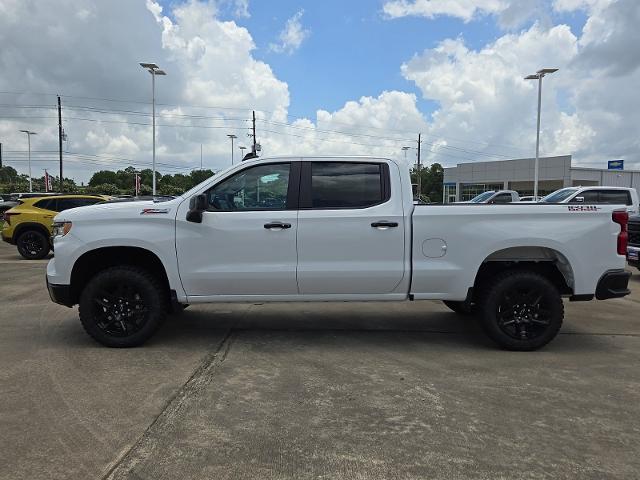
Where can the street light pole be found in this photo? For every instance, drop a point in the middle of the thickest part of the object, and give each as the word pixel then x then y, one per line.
pixel 539 75
pixel 29 133
pixel 154 70
pixel 232 137
pixel 404 149
pixel 242 149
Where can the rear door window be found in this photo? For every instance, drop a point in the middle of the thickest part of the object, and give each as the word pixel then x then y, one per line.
pixel 502 198
pixel 615 197
pixel 347 185
pixel 67 203
pixel 46 204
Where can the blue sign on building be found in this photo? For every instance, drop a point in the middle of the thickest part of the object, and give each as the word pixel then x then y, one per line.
pixel 615 165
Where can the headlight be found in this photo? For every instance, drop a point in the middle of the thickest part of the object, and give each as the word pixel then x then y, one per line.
pixel 60 229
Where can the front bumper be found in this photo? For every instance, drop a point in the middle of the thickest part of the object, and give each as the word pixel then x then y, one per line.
pixel 633 256
pixel 613 284
pixel 60 294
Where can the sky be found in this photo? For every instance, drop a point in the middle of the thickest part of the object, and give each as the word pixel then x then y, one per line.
pixel 328 77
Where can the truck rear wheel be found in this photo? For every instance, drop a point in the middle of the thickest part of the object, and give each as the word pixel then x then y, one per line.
pixel 122 306
pixel 463 308
pixel 521 310
pixel 33 245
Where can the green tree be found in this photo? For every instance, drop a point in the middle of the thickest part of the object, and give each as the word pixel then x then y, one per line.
pixel 199 176
pixel 103 177
pixel 8 175
pixel 104 189
pixel 432 178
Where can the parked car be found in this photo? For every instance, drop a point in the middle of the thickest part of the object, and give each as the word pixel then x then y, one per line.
pixel 633 250
pixel 491 196
pixel 6 205
pixel 596 195
pixel 332 229
pixel 529 199
pixel 29 225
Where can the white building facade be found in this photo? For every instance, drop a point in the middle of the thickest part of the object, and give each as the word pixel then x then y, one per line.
pixel 466 180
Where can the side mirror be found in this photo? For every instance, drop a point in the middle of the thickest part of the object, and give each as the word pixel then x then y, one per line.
pixel 579 199
pixel 197 205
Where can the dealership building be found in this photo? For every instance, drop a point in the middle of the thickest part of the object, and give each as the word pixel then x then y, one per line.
pixel 466 180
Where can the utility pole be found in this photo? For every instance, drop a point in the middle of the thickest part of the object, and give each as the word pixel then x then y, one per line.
pixel 200 157
pixel 254 132
pixel 60 140
pixel 419 167
pixel 0 154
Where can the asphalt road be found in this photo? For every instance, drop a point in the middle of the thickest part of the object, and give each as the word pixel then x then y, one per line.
pixel 336 391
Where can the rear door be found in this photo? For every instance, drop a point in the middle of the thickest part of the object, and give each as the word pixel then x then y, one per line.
pixel 350 228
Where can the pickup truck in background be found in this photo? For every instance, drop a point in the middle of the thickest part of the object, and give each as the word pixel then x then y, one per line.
pixel 491 196
pixel 333 229
pixel 596 195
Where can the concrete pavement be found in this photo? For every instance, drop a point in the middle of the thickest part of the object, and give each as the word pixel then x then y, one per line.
pixel 357 391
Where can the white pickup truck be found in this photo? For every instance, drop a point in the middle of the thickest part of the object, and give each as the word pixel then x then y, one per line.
pixel 333 229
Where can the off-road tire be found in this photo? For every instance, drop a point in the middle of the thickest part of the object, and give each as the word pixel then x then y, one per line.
pixel 132 324
pixel 523 290
pixel 33 245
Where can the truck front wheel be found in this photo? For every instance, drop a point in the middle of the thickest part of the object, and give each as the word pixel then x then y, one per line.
pixel 521 310
pixel 122 306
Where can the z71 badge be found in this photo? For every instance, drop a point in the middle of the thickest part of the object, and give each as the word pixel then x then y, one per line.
pixel 583 208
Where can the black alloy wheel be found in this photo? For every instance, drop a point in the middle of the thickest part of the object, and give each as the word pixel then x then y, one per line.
pixel 521 310
pixel 33 245
pixel 122 306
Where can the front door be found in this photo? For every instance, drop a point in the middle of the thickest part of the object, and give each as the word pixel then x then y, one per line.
pixel 246 243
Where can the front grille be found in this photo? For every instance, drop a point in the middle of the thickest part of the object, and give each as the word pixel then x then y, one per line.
pixel 634 234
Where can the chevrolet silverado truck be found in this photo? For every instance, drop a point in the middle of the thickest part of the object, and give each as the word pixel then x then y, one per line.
pixel 333 229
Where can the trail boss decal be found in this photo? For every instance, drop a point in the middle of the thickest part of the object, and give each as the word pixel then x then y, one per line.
pixel 150 211
pixel 583 208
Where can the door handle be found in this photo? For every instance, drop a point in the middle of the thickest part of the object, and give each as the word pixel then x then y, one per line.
pixel 384 224
pixel 271 225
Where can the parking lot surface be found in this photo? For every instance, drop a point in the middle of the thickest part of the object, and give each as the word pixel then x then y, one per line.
pixel 353 391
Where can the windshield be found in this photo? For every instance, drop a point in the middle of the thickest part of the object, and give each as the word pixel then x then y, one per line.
pixel 559 195
pixel 482 197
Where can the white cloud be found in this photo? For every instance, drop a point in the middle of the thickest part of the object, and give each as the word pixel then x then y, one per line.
pixel 291 36
pixel 463 9
pixel 373 126
pixel 511 14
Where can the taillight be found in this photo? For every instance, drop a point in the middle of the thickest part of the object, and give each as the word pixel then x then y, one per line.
pixel 621 217
pixel 7 217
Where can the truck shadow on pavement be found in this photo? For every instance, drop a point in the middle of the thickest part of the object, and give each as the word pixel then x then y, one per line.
pixel 442 328
pixel 327 324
